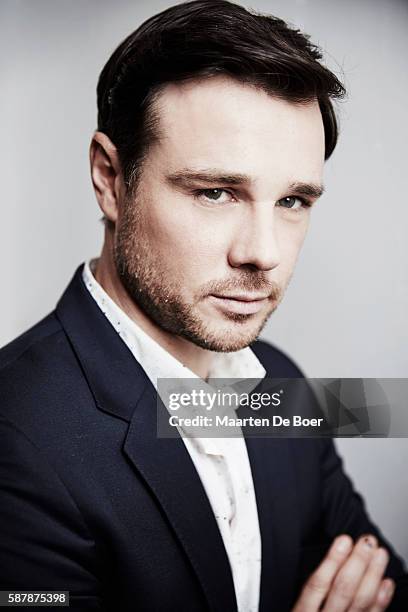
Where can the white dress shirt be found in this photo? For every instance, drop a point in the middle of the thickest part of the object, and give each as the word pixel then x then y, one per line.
pixel 222 464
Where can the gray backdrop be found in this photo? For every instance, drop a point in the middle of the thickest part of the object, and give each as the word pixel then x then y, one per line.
pixel 345 312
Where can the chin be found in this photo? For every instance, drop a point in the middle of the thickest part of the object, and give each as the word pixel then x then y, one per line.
pixel 228 338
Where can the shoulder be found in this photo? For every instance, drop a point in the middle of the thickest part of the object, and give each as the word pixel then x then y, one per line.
pixel 33 338
pixel 38 370
pixel 276 362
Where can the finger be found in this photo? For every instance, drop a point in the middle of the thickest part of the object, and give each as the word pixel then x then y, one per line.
pixel 384 596
pixel 371 581
pixel 349 576
pixel 318 585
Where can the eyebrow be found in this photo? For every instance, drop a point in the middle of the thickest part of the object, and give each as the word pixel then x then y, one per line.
pixel 187 178
pixel 312 190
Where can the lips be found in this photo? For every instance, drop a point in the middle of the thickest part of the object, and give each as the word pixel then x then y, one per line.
pixel 243 297
pixel 239 304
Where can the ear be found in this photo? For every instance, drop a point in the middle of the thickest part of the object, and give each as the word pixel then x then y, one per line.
pixel 106 175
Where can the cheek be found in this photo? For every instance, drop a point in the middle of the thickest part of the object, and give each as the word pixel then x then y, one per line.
pixel 186 237
pixel 290 240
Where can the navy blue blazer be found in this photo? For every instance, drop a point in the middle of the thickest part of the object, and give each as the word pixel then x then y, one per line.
pixel 92 502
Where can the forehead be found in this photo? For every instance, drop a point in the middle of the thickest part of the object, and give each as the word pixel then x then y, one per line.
pixel 218 122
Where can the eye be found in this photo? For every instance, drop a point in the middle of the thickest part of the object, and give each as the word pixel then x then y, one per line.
pixel 293 202
pixel 221 196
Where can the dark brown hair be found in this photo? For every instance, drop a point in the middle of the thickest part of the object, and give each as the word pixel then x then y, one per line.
pixel 206 38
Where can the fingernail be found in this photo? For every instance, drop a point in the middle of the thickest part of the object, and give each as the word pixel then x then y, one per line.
pixel 385 592
pixel 369 541
pixel 342 544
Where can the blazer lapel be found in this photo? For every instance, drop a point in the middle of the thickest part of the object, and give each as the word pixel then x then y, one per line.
pixel 165 465
pixel 122 389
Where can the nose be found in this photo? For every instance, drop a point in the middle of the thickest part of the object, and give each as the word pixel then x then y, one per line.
pixel 256 243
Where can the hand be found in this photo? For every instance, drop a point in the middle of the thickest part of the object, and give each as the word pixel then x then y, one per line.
pixel 350 578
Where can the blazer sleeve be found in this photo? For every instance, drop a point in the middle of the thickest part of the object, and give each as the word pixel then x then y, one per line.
pixel 344 512
pixel 44 542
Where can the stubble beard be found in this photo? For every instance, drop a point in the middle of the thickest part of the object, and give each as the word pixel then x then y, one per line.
pixel 146 280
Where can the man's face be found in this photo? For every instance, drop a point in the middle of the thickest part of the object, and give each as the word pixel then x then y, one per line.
pixel 208 243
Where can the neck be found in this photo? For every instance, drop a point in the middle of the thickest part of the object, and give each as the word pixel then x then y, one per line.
pixel 197 359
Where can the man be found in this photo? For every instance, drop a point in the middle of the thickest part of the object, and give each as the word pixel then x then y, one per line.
pixel 213 127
